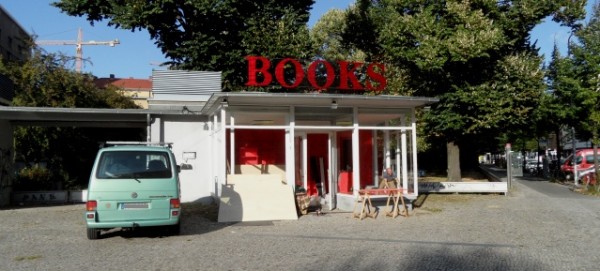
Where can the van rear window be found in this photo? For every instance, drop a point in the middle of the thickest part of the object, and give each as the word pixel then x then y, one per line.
pixel 134 164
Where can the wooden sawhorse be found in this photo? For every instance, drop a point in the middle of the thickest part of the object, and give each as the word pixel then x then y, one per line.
pixel 394 196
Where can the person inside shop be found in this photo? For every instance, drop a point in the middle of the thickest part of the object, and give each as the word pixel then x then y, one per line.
pixel 388 179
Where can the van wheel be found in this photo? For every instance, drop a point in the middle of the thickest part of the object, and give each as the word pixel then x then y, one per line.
pixel 93 234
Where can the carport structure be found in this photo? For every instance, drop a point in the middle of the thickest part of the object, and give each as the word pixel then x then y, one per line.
pixel 11 117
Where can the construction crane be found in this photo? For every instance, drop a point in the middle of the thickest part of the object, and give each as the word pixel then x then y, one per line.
pixel 79 46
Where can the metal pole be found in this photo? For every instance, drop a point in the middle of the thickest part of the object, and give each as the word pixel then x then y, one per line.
pixel 148 128
pixel 508 166
pixel 574 159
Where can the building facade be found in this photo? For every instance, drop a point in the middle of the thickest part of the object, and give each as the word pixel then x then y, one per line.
pixel 14 40
pixel 332 145
pixel 139 90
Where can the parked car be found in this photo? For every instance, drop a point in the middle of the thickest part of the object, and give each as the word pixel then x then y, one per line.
pixel 533 167
pixel 584 159
pixel 133 186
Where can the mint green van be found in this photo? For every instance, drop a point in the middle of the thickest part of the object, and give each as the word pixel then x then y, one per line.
pixel 133 186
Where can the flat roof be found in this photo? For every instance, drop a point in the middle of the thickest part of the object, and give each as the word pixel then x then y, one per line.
pixel 90 117
pixel 315 99
pixel 111 117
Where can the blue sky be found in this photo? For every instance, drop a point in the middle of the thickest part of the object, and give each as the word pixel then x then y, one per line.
pixel 137 55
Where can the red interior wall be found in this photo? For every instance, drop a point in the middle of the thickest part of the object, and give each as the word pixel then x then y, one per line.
pixel 268 147
pixel 317 147
pixel 345 157
pixel 366 161
pixel 260 147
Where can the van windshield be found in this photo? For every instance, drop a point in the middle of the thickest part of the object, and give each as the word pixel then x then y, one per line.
pixel 134 164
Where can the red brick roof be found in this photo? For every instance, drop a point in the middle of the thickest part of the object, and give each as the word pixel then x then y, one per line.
pixel 127 84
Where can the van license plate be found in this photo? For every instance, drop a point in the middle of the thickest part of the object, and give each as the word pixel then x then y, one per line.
pixel 134 205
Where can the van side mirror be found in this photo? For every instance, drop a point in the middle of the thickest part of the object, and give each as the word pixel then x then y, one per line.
pixel 178 168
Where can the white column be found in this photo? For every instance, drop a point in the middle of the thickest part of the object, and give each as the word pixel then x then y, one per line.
pixel 386 148
pixel 399 159
pixel 222 147
pixel 156 130
pixel 304 162
pixel 333 170
pixel 404 154
pixel 413 119
pixel 148 128
pixel 355 153
pixel 290 155
pixel 231 145
pixel 374 158
pixel 214 147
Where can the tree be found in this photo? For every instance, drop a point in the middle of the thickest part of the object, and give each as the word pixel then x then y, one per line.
pixel 558 105
pixel 209 34
pixel 327 38
pixel 474 55
pixel 68 152
pixel 586 68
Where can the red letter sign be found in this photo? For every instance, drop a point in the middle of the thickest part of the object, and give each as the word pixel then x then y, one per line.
pixel 346 74
pixel 260 68
pixel 281 77
pixel 376 77
pixel 312 74
pixel 253 71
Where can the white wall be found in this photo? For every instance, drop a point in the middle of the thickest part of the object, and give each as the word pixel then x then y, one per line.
pixel 188 135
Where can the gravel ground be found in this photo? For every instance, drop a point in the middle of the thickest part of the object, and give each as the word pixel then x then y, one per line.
pixel 527 230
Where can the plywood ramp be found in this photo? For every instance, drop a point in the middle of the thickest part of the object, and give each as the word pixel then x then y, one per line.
pixel 256 198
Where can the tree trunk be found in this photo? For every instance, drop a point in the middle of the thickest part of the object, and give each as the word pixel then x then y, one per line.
pixel 453 162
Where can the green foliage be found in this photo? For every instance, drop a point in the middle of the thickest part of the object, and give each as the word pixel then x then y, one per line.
pixel 585 75
pixel 44 81
pixel 559 100
pixel 474 55
pixel 574 81
pixel 35 177
pixel 210 35
pixel 327 38
pixel 6 169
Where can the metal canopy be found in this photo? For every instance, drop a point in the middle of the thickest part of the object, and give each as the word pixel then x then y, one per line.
pixel 83 117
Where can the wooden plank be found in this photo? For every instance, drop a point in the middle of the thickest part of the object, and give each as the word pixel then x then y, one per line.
pixel 257 198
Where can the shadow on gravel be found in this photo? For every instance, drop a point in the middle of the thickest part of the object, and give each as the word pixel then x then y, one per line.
pixel 147 232
pixel 418 203
pixel 434 256
pixel 196 219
